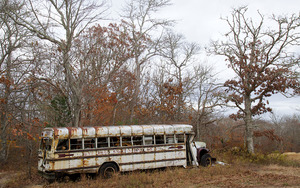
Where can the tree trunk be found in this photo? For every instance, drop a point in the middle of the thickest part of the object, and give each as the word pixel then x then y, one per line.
pixel 136 88
pixel 74 87
pixel 249 125
pixel 198 132
pixel 4 148
pixel 5 111
pixel 4 125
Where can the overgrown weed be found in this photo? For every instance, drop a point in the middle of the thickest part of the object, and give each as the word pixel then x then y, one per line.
pixel 233 175
pixel 242 164
pixel 241 155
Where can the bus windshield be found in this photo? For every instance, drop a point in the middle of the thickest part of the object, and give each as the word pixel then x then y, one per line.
pixel 46 144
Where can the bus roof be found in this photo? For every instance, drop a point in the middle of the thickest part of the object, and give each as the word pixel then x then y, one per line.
pixel 123 130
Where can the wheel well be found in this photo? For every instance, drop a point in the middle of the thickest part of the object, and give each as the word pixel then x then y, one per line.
pixel 201 152
pixel 111 162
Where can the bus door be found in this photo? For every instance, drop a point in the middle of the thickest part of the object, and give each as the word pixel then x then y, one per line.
pixel 191 151
pixel 45 149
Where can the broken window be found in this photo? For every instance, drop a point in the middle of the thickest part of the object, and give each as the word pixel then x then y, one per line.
pixel 89 143
pixel 170 139
pixel 137 140
pixel 149 140
pixel 46 144
pixel 102 142
pixel 159 139
pixel 115 141
pixel 76 144
pixel 63 144
pixel 126 141
pixel 180 138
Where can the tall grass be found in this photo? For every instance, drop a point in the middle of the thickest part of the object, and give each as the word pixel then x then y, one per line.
pixel 241 169
pixel 241 155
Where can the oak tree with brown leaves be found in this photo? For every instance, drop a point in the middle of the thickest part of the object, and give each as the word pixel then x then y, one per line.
pixel 262 62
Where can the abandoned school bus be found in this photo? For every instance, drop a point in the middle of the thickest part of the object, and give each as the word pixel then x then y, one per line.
pixel 108 149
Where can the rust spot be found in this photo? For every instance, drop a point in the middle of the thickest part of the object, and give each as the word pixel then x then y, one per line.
pixel 65 155
pixel 86 162
pixel 84 131
pixel 70 130
pixel 55 133
pixel 51 164
pixel 176 147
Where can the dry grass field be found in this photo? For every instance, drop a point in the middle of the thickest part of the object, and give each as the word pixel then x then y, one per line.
pixel 292 156
pixel 285 172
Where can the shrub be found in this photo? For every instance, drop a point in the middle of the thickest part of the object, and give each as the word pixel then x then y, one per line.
pixel 241 155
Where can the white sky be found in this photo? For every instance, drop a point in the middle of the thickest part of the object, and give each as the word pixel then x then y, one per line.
pixel 199 21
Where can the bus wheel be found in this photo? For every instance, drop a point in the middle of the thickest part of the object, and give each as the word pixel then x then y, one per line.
pixel 205 160
pixel 107 170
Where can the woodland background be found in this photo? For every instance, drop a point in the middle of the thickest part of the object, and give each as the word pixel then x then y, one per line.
pixel 64 63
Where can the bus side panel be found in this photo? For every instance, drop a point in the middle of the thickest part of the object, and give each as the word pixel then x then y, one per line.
pixel 138 158
pixel 63 161
pixel 150 156
pixel 181 156
pixel 150 161
pixel 89 162
pixel 115 155
pixel 170 156
pixel 160 156
pixel 127 158
pixel 102 157
pixel 76 162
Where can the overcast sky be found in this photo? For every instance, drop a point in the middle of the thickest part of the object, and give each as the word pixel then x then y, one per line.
pixel 199 21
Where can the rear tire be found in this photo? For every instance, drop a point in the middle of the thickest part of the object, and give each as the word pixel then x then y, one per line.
pixel 205 160
pixel 107 170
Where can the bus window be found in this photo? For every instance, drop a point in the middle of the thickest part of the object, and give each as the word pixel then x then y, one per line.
pixel 89 143
pixel 102 142
pixel 149 140
pixel 159 139
pixel 63 144
pixel 180 138
pixel 170 139
pixel 76 144
pixel 46 144
pixel 126 141
pixel 115 141
pixel 137 140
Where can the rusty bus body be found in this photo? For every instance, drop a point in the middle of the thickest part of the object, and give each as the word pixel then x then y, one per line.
pixel 107 149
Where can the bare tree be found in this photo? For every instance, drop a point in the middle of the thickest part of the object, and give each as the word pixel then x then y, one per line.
pixel 141 24
pixel 261 62
pixel 60 22
pixel 210 99
pixel 180 55
pixel 12 71
pixel 288 128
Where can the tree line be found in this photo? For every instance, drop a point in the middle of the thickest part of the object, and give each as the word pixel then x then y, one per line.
pixel 61 66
